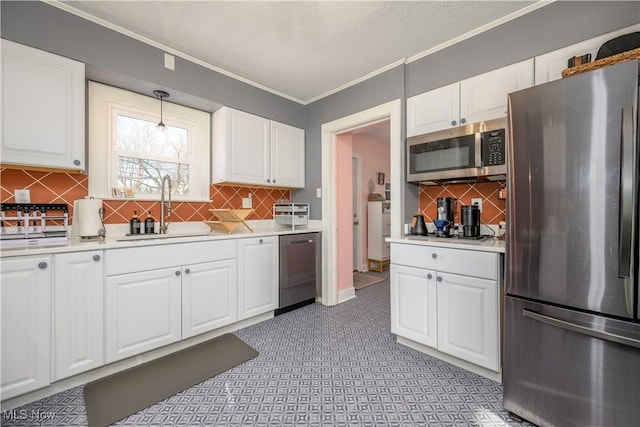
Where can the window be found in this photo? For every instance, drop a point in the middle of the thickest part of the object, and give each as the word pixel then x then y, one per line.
pixel 127 152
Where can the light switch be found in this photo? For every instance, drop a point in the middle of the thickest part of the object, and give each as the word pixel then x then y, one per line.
pixel 318 193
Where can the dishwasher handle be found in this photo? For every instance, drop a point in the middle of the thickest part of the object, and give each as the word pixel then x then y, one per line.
pixel 299 242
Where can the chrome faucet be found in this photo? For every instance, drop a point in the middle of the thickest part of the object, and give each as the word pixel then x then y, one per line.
pixel 163 217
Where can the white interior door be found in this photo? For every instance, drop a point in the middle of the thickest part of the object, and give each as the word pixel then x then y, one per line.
pixel 357 212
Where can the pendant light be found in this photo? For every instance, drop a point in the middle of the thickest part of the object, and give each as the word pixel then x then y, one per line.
pixel 161 94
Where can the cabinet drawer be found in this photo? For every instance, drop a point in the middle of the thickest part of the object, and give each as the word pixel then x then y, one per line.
pixel 459 261
pixel 130 260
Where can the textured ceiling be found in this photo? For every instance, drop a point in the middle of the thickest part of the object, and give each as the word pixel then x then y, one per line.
pixel 302 50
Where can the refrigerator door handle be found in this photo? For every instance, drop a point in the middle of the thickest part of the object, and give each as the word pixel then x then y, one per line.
pixel 607 336
pixel 626 194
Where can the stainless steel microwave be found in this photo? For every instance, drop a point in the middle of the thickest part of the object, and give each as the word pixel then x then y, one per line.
pixel 476 151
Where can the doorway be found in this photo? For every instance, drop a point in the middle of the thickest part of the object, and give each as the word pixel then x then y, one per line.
pixel 334 224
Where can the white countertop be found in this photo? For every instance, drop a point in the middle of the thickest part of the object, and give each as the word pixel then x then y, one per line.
pixel 116 235
pixel 489 244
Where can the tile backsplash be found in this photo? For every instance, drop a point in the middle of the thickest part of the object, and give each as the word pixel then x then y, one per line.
pixel 56 187
pixel 493 208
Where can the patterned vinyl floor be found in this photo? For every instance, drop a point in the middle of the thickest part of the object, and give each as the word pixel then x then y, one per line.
pixel 318 366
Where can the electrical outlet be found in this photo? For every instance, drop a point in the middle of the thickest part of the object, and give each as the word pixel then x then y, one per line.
pixel 318 193
pixel 477 202
pixel 246 203
pixel 22 196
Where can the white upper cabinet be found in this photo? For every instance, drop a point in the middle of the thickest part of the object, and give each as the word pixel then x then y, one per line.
pixel 240 147
pixel 479 98
pixel 249 149
pixel 43 105
pixel 484 97
pixel 550 65
pixel 434 110
pixel 287 156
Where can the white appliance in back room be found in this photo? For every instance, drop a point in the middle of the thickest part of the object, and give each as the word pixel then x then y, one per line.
pixel 572 321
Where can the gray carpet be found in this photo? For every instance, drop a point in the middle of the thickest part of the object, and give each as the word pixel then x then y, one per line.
pixel 318 366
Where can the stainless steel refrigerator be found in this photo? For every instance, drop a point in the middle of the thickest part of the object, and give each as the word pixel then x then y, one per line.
pixel 572 323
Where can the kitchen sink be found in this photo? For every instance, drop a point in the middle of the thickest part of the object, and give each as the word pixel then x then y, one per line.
pixel 141 237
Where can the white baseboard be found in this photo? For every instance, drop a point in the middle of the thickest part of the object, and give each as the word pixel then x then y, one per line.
pixel 346 294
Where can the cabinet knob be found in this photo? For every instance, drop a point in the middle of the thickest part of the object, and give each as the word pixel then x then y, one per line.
pixel 429 276
pixel 96 257
pixel 268 180
pixel 76 162
pixel 453 122
pixel 274 181
pixel 177 272
pixel 260 241
pixel 42 264
pixel 463 120
pixel 187 270
pixel 439 278
pixel 434 255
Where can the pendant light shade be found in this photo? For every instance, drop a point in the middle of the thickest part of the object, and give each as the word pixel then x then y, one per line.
pixel 161 94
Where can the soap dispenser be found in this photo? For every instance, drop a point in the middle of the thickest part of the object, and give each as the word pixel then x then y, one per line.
pixel 149 224
pixel 134 224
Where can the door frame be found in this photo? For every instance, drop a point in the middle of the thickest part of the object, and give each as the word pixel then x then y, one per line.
pixel 391 111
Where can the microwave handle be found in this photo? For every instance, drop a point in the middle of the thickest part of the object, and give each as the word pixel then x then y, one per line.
pixel 478 150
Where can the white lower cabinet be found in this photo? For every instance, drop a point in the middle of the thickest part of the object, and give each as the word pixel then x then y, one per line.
pixel 209 297
pixel 413 304
pixel 447 299
pixel 468 319
pixel 142 312
pixel 161 294
pixel 78 313
pixel 26 323
pixel 257 276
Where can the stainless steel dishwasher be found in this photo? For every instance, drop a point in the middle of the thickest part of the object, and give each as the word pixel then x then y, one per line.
pixel 300 270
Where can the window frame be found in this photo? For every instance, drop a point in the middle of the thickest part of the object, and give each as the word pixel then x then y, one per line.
pixel 106 102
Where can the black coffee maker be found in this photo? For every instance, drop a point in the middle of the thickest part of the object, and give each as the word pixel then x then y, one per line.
pixel 446 207
pixel 470 221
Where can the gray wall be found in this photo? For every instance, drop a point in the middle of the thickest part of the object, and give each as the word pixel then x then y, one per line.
pixel 378 90
pixel 117 59
pixel 549 28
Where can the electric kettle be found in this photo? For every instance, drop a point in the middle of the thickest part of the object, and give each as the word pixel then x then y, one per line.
pixel 418 226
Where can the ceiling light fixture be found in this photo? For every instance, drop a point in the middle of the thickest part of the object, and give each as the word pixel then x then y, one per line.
pixel 161 94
